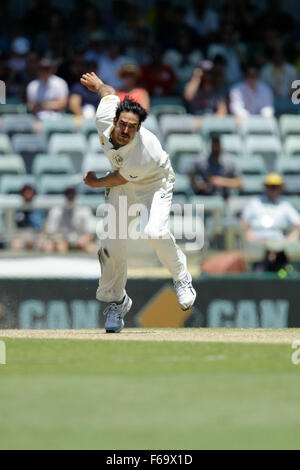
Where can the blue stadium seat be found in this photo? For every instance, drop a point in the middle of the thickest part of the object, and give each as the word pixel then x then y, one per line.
pixel 176 124
pixel 57 184
pixel 12 184
pixel 17 124
pixel 52 164
pixel 218 125
pixel 73 145
pixel 29 146
pixel 12 164
pixel 5 145
pixel 65 124
pixel 258 125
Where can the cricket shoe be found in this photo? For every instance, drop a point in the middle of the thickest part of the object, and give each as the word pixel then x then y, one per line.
pixel 115 313
pixel 185 292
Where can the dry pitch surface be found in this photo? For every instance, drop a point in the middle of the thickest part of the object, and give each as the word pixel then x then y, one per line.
pixel 261 336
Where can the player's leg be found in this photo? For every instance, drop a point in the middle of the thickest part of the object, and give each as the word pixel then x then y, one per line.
pixel 156 229
pixel 113 261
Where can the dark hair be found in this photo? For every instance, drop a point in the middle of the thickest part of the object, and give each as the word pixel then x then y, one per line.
pixel 130 106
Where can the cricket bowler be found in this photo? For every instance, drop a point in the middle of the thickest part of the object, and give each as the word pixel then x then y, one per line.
pixel 141 171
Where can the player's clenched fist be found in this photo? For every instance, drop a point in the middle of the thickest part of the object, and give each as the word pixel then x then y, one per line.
pixel 91 179
pixel 91 81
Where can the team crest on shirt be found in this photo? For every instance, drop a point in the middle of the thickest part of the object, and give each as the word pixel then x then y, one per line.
pixel 118 160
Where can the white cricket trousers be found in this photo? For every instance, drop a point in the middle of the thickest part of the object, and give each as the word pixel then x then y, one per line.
pixel 156 204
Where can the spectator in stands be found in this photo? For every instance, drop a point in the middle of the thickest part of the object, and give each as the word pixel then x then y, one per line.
pixel 279 74
pixel 130 74
pixel 203 20
pixel 268 217
pixel 110 64
pixel 251 97
pixel 29 222
pixel 47 96
pixel 232 50
pixel 201 93
pixel 82 101
pixel 70 226
pixel 158 78
pixel 216 174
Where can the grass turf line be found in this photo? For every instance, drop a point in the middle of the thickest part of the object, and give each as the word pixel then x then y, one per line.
pixel 68 394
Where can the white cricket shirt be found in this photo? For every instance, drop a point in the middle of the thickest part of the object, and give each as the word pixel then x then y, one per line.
pixel 142 160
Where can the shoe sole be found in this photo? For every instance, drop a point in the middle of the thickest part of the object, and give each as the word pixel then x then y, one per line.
pixel 127 310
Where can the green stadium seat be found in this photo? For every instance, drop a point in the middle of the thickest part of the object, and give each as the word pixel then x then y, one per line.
pixel 218 125
pixel 52 164
pixel 166 100
pixel 88 128
pixel 289 168
pixel 186 163
pixel 12 184
pixel 57 184
pixel 177 145
pixel 182 186
pixel 96 162
pixel 73 145
pixel 232 145
pixel 13 109
pixel 29 146
pixel 269 147
pixel 258 125
pixel 291 145
pixel 160 110
pixel 12 164
pixel 17 124
pixel 152 125
pixel 176 124
pixel 5 145
pixel 94 144
pixel 289 125
pixel 252 185
pixel 63 125
pixel 252 165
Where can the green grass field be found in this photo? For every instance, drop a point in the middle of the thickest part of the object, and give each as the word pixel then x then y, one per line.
pixel 83 394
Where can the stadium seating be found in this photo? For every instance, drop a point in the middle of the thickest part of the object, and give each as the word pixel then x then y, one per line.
pixel 289 125
pixel 63 125
pixel 252 185
pixel 177 145
pixel 289 168
pixel 12 164
pixel 88 127
pixel 70 144
pixel 96 162
pixel 18 123
pixel 258 125
pixel 160 110
pixel 253 165
pixel 5 145
pixel 11 108
pixel 57 184
pixel 29 146
pixel 291 145
pixel 186 163
pixel 269 147
pixel 52 164
pixel 12 184
pixel 218 125
pixel 94 144
pixel 232 144
pixel 182 186
pixel 152 125
pixel 176 124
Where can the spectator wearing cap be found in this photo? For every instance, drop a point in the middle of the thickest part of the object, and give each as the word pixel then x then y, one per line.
pixel 84 102
pixel 47 96
pixel 215 174
pixel 28 221
pixel 70 226
pixel 130 74
pixel 201 94
pixel 251 97
pixel 268 217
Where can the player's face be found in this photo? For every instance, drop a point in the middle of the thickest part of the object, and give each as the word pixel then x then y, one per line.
pixel 125 128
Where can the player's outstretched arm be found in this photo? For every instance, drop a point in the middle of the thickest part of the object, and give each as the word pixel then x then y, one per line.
pixel 108 181
pixel 93 83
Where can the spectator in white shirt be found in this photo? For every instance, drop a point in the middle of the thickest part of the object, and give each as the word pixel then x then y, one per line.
pixel 268 217
pixel 251 97
pixel 47 96
pixel 279 74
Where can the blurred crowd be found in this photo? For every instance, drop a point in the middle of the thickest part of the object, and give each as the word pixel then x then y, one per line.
pixel 216 59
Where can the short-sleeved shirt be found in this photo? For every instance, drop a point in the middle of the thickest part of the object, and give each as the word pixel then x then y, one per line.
pixel 141 161
pixel 268 220
pixel 40 92
pixel 225 167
